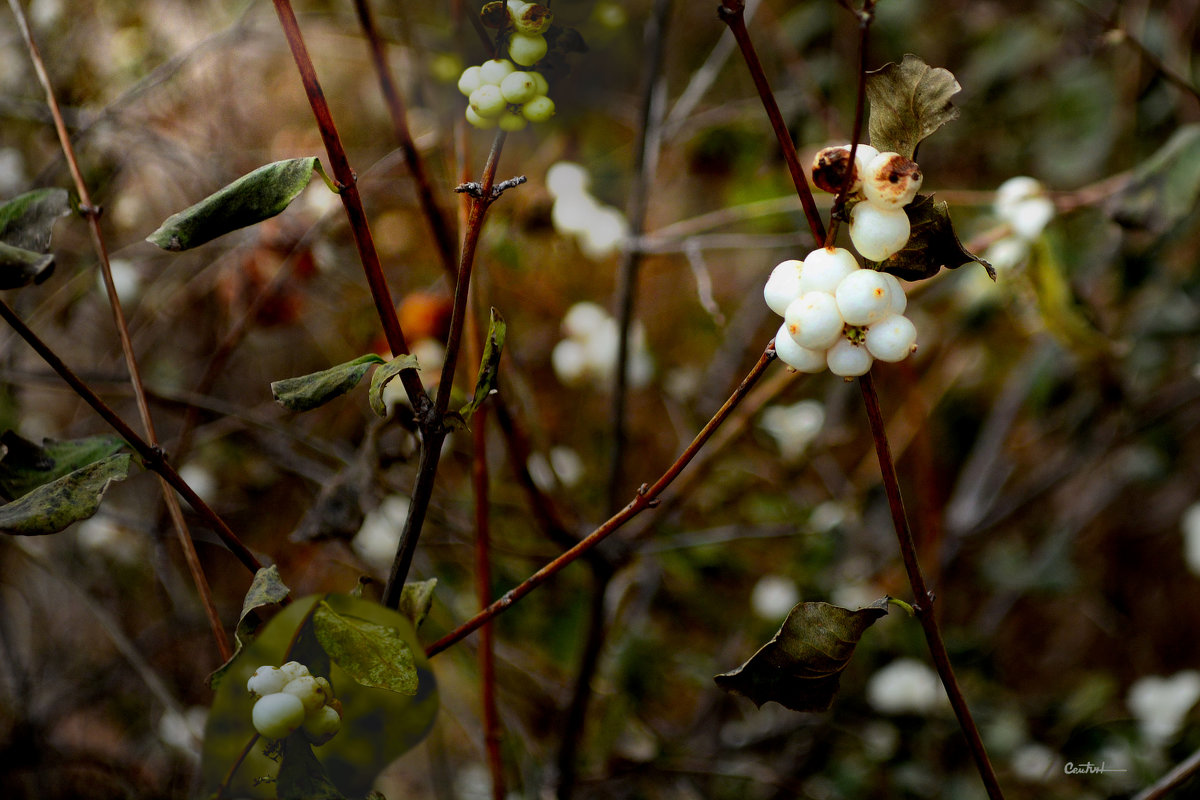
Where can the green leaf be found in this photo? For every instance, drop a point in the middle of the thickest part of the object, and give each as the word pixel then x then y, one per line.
pixel 309 391
pixel 378 726
pixel 53 506
pixel 24 466
pixel 932 245
pixel 301 775
pixel 374 655
pixel 252 198
pixel 909 101
pixel 1164 188
pixel 800 667
pixel 267 589
pixel 416 599
pixel 27 220
pixel 384 375
pixel 489 364
pixel 20 267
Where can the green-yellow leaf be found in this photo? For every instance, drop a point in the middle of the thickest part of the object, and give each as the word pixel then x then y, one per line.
pixel 252 198
pixel 53 506
pixel 267 589
pixel 800 667
pixel 489 364
pixel 374 655
pixel 416 599
pixel 307 392
pixel 909 101
pixel 383 375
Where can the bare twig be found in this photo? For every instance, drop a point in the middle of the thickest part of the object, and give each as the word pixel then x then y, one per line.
pixel 646 497
pixel 92 214
pixel 732 13
pixel 865 17
pixel 1182 772
pixel 923 597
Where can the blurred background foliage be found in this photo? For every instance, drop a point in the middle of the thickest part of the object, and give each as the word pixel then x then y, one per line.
pixel 1045 431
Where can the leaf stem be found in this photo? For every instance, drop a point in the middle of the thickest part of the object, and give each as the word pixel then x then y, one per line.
pixel 646 497
pixel 924 598
pixel 351 201
pixel 732 13
pixel 152 457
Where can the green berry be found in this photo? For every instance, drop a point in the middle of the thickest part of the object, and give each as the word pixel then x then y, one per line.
pixel 470 80
pixel 519 87
pixel 483 123
pixel 543 86
pixel 488 101
pixel 322 725
pixel 539 109
pixel 495 70
pixel 512 121
pixel 526 50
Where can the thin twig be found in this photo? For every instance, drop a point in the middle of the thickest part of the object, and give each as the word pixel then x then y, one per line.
pixel 152 457
pixel 92 214
pixel 443 235
pixel 348 191
pixel 732 13
pixel 1182 772
pixel 433 429
pixel 923 597
pixel 483 587
pixel 646 497
pixel 865 17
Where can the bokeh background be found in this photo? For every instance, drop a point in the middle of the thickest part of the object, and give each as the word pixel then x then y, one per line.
pixel 1045 432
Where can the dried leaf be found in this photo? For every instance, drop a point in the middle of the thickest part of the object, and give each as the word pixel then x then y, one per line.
pixel 932 245
pixel 384 375
pixel 267 589
pixel 252 198
pixel 20 267
pixel 909 101
pixel 24 466
pixel 800 667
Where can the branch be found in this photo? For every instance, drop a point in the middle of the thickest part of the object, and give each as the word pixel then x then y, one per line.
pixel 646 497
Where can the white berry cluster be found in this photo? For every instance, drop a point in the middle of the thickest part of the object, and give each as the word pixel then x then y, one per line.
pixel 290 698
pixel 1021 202
pixel 884 183
pixel 499 94
pixel 590 351
pixel 837 314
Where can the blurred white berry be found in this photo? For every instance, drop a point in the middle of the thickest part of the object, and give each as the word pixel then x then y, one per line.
pixel 1023 204
pixel 379 534
pixel 604 235
pixel 1036 763
pixel 566 177
pixel 1161 704
pixel 570 361
pixel 583 319
pixel 773 597
pixel 1007 254
pixel 277 715
pixel 878 233
pixel 1189 524
pixel 905 686
pixel 794 427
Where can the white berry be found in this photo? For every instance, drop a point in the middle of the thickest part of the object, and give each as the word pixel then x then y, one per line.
pixel 483 123
pixel 266 680
pixel 470 80
pixel 892 338
pixel 795 356
pixel 783 286
pixel 891 180
pixel 292 670
pixel 310 693
pixel 848 359
pixel 495 70
pixel 878 233
pixel 899 298
pixel 539 109
pixel 531 19
pixel 277 715
pixel 511 121
pixel 322 725
pixel 813 320
pixel 488 101
pixel 864 296
pixel 527 50
pixel 825 268
pixel 519 87
pixel 543 86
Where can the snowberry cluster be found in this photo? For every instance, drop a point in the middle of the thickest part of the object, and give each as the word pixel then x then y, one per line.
pixel 1021 202
pixel 499 94
pixel 884 183
pixel 590 351
pixel 838 315
pixel 290 698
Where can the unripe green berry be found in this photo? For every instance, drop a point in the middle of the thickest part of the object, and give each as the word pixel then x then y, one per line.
pixel 495 70
pixel 322 725
pixel 543 86
pixel 483 123
pixel 487 101
pixel 470 80
pixel 539 109
pixel 527 50
pixel 277 715
pixel 519 87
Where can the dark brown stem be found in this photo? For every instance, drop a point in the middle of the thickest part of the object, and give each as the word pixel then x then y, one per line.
pixel 644 169
pixel 443 235
pixel 92 215
pixel 923 597
pixel 732 13
pixel 152 457
pixel 1163 787
pixel 348 190
pixel 646 497
pixel 433 429
pixel 483 587
pixel 581 696
pixel 865 18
